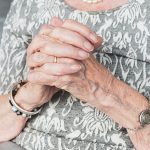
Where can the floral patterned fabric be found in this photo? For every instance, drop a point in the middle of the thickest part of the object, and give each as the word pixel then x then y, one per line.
pixel 66 123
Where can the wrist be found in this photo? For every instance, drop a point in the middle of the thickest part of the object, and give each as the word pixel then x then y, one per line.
pixel 103 95
pixel 20 102
pixel 140 138
pixel 25 99
pixel 119 101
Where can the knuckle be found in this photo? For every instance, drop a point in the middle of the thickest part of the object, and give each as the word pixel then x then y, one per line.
pixel 46 48
pixel 30 78
pixel 37 56
pixel 51 80
pixel 36 39
pixel 31 46
pixel 68 21
pixel 43 28
pixel 29 61
pixel 73 51
pixel 82 66
pixel 66 78
pixel 87 30
pixel 78 38
pixel 29 64
pixel 56 31
pixel 71 61
pixel 40 78
pixel 46 67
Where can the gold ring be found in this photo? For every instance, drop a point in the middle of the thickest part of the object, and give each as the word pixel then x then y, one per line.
pixel 55 59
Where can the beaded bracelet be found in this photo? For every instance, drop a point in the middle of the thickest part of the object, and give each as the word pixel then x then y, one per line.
pixel 15 107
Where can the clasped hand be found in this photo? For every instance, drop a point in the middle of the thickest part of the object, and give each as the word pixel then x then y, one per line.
pixel 71 42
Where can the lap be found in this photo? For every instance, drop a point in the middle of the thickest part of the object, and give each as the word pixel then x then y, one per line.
pixel 9 146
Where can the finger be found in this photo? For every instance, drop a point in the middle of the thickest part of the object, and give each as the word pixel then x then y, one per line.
pixel 37 42
pixel 74 26
pixel 82 29
pixel 99 43
pixel 41 78
pixel 70 37
pixel 67 36
pixel 45 29
pixel 79 28
pixel 40 39
pixel 55 48
pixel 38 59
pixel 59 69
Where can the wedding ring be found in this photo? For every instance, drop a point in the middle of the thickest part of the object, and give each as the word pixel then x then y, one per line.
pixel 55 59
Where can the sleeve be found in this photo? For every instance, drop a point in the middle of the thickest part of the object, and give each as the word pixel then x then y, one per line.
pixel 13 45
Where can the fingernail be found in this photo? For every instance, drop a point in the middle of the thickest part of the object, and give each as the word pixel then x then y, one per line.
pixel 93 38
pixel 88 46
pixel 75 67
pixel 83 54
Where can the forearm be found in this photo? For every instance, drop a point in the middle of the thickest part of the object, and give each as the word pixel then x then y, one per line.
pixel 119 101
pixel 10 124
pixel 134 103
pixel 124 103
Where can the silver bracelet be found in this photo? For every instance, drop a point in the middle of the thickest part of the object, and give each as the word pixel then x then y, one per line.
pixel 15 107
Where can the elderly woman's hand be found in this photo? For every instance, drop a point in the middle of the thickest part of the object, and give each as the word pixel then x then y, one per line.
pixel 60 74
pixel 50 43
pixel 94 84
pixel 82 84
pixel 69 41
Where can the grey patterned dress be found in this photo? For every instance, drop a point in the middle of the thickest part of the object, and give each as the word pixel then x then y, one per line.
pixel 66 123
